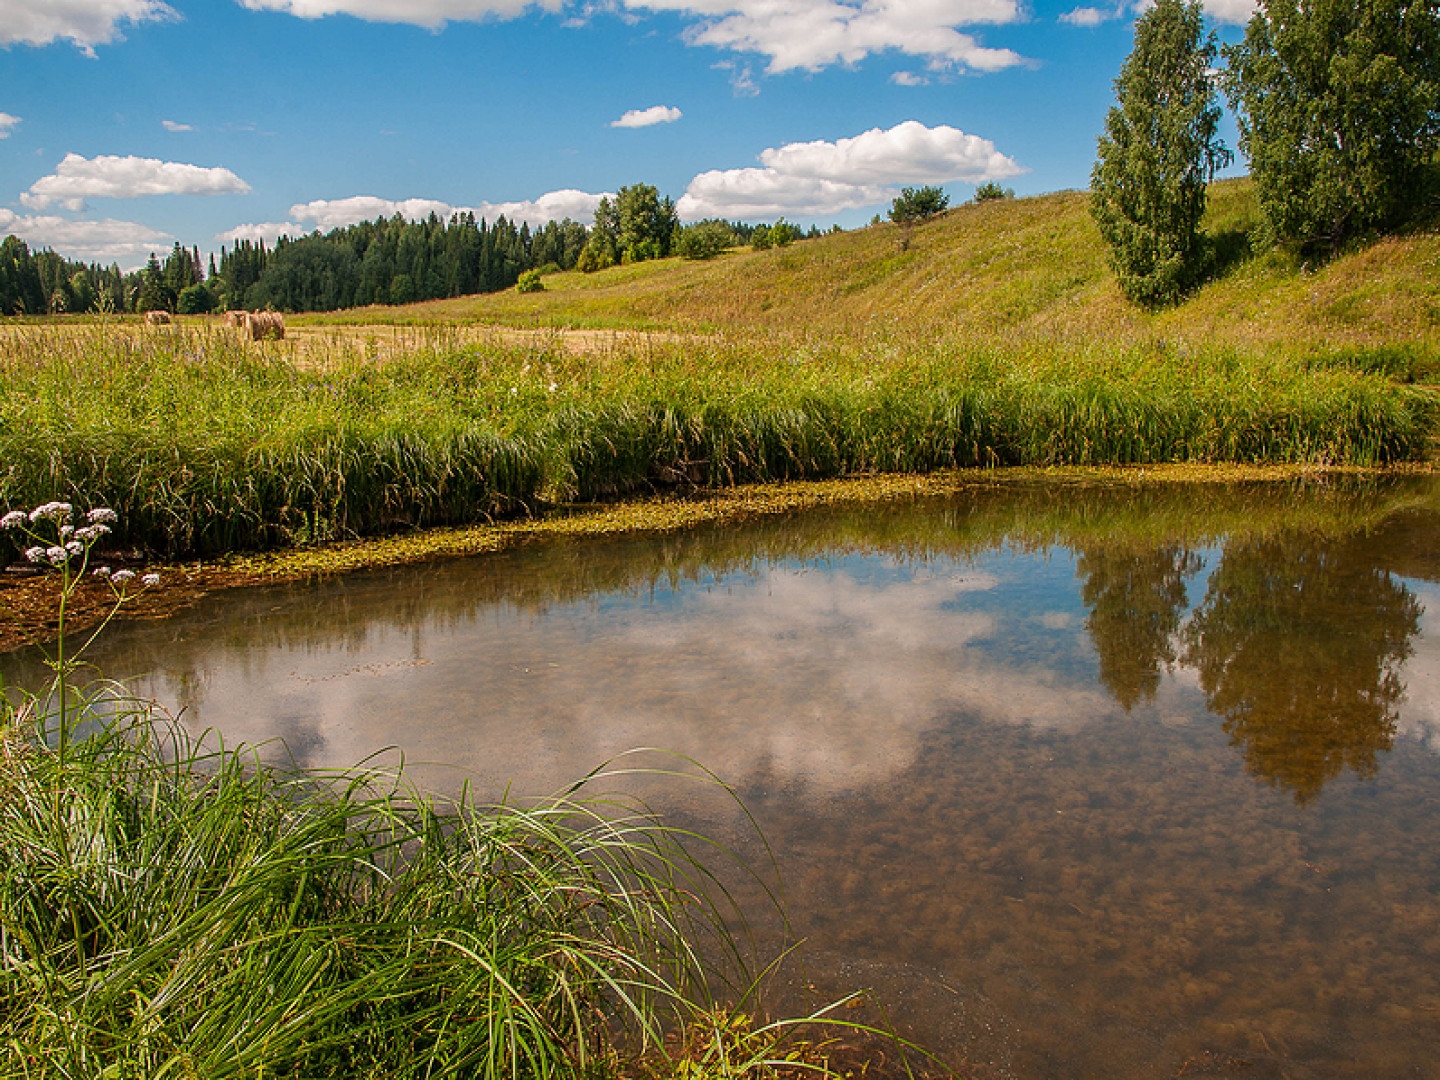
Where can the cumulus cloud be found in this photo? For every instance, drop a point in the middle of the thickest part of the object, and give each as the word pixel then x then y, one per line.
pixel 175 125
pixel 86 23
pixel 266 232
pixel 656 114
pixel 125 242
pixel 1234 12
pixel 908 78
pixel 327 214
pixel 432 14
pixel 814 179
pixel 813 34
pixel 1089 16
pixel 112 177
pixel 7 124
pixel 803 34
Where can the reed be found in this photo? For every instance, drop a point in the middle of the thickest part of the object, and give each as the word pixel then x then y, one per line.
pixel 205 444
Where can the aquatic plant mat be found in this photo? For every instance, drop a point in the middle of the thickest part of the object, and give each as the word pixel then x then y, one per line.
pixel 205 444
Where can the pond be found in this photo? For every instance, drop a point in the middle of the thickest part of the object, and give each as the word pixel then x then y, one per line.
pixel 1082 781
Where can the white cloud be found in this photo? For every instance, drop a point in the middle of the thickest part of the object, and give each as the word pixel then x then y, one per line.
pixel 1234 12
pixel 808 34
pixel 264 232
pixel 908 78
pixel 173 125
pixel 86 23
pixel 1088 16
pixel 813 34
pixel 330 214
pixel 742 82
pixel 813 179
pixel 553 206
pixel 112 177
pixel 327 214
pixel 125 242
pixel 656 114
pixel 7 124
pixel 432 14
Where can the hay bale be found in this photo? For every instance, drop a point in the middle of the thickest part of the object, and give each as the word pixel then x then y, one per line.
pixel 265 324
pixel 157 318
pixel 236 318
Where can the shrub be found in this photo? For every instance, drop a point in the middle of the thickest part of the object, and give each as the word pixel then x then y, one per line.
pixel 530 282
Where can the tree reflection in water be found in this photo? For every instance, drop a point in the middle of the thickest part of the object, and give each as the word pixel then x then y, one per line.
pixel 1297 643
pixel 1136 600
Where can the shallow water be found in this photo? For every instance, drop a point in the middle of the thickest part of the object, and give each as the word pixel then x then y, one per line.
pixel 1083 782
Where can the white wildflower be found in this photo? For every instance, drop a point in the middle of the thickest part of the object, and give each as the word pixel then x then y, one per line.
pixel 35 554
pixel 120 577
pixel 150 579
pixel 54 511
pixel 90 533
pixel 75 547
pixel 56 555
pixel 14 519
pixel 66 531
pixel 101 571
pixel 102 516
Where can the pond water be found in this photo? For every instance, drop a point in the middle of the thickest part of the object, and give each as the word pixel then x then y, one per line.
pixel 1082 781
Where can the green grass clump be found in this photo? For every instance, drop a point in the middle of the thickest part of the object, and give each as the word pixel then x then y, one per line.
pixel 204 444
pixel 172 911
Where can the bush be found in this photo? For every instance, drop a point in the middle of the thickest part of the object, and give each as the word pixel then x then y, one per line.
pixel 991 191
pixel 592 259
pixel 704 240
pixel 530 282
pixel 918 204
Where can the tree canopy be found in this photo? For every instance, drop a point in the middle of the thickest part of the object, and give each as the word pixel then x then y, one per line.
pixel 1158 151
pixel 1339 113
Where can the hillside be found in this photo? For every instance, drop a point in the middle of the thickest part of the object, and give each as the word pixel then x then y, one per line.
pixel 1020 270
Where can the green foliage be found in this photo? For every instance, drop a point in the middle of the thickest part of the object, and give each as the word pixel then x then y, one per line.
pixel 195 300
pixel 1339 113
pixel 155 293
pixel 783 234
pixel 918 204
pixel 593 258
pixel 530 282
pixel 243 451
pixel 760 238
pixel 704 240
pixel 990 191
pixel 1158 150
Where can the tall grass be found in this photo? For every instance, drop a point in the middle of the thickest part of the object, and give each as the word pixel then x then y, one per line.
pixel 205 444
pixel 168 910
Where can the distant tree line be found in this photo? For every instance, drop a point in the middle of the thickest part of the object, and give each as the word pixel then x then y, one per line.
pixel 385 261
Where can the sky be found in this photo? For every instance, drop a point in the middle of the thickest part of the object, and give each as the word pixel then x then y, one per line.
pixel 129 125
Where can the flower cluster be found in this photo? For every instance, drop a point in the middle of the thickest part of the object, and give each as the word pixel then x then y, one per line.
pixel 69 542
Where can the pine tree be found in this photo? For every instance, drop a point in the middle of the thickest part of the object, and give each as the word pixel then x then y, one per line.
pixel 1157 153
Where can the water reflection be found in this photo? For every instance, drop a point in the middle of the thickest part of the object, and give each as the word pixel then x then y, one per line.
pixel 1088 783
pixel 1136 599
pixel 1298 644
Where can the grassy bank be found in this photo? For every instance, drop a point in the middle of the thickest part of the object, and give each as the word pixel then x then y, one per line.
pixel 204 444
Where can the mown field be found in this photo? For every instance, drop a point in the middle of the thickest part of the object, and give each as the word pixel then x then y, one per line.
pixel 997 338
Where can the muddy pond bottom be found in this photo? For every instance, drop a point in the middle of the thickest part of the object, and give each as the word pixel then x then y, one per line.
pixel 1081 782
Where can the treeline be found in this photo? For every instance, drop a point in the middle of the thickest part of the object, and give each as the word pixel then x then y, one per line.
pixel 390 261
pixel 44 283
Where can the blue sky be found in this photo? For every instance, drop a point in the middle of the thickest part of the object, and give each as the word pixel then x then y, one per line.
pixel 126 125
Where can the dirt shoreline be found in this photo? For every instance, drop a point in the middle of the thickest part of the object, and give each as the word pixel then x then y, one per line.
pixel 27 596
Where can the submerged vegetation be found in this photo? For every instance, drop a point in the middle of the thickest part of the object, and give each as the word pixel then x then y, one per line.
pixel 205 444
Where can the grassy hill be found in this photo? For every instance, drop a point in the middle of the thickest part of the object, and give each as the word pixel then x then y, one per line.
pixel 1020 270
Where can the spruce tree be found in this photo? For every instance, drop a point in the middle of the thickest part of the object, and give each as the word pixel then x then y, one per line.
pixel 1157 153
